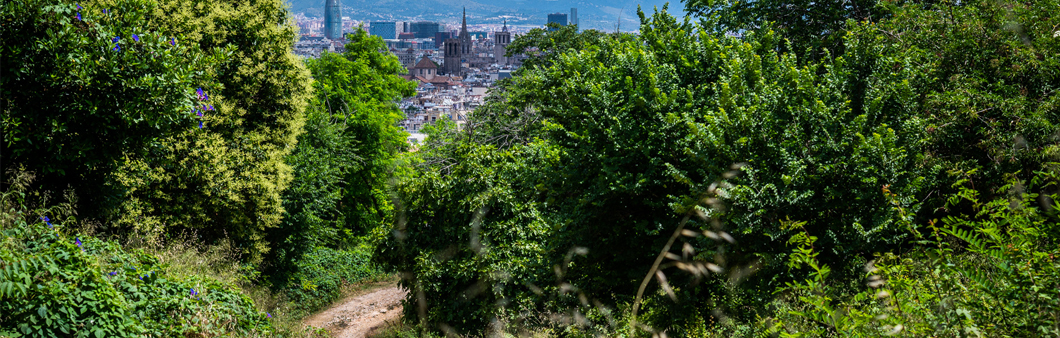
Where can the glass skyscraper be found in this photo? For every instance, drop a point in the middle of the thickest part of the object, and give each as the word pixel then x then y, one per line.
pixel 559 18
pixel 383 29
pixel 333 20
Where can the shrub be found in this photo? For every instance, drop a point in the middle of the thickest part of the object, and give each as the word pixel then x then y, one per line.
pixel 57 283
pixel 322 273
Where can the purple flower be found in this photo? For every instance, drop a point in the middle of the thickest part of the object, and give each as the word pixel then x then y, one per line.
pixel 193 293
pixel 47 221
pixel 173 42
pixel 115 39
pixel 141 277
pixel 267 315
pixel 210 108
pixel 112 273
pixel 136 38
pixel 105 11
pixel 79 7
pixel 116 48
pixel 79 15
pixel 78 241
pixel 200 124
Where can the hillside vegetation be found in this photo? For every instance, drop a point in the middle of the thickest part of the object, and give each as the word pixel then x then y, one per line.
pixel 170 168
pixel 883 170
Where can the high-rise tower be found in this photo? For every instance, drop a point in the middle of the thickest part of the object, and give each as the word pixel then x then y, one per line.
pixel 574 16
pixel 333 20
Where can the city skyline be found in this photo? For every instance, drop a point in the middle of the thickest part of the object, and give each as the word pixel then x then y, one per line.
pixel 591 14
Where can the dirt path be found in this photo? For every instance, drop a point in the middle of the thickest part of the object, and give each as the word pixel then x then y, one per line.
pixel 357 315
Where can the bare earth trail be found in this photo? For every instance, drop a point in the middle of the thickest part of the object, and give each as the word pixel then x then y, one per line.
pixel 356 316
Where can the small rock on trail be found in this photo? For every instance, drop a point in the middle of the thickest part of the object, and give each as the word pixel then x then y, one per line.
pixel 356 316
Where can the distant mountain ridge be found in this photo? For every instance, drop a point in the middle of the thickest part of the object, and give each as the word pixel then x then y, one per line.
pixel 593 14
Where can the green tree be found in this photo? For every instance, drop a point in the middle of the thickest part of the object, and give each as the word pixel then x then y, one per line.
pixel 340 198
pixel 87 87
pixel 809 25
pixel 612 143
pixel 107 98
pixel 360 89
pixel 225 180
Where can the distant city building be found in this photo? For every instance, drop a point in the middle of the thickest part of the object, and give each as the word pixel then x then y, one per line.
pixel 407 56
pixel 424 29
pixel 457 50
pixel 574 16
pixel 500 44
pixel 559 18
pixel 426 69
pixel 439 38
pixel 383 29
pixel 478 35
pixel 410 43
pixel 333 20
pixel 452 55
pixel 407 36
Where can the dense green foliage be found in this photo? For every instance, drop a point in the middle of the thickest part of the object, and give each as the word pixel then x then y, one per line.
pixel 359 89
pixel 225 180
pixel 776 168
pixel 990 273
pixel 168 121
pixel 80 94
pixel 114 93
pixel 54 282
pixel 339 203
pixel 809 26
pixel 567 185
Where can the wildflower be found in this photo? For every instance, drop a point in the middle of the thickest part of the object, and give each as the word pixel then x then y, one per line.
pixel 78 241
pixel 200 124
pixel 112 273
pixel 136 38
pixel 47 221
pixel 211 108
pixel 116 48
pixel 79 16
pixel 267 315
pixel 173 41
pixel 193 292
pixel 79 7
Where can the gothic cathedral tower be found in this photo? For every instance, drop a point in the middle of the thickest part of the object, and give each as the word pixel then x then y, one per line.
pixel 457 51
pixel 465 39
pixel 500 44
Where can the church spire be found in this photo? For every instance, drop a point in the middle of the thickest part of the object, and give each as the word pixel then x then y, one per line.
pixel 464 27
